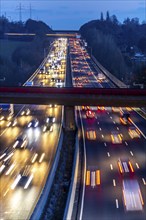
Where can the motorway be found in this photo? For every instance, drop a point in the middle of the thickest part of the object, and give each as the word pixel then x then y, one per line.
pixel 109 192
pixel 34 158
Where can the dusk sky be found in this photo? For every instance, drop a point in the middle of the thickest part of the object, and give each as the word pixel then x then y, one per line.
pixel 71 14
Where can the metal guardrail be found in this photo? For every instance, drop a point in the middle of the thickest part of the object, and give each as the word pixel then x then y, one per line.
pixel 37 70
pixel 116 81
pixel 38 211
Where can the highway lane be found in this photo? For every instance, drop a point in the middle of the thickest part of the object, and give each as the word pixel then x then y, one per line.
pixel 18 203
pixel 38 143
pixel 103 198
pixel 100 201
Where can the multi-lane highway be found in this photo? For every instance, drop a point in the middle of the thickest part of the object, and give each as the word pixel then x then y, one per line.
pixel 114 141
pixel 28 146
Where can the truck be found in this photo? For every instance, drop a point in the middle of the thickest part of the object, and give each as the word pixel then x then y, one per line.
pixel 132 196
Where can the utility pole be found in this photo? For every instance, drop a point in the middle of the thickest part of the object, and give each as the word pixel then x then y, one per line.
pixel 20 12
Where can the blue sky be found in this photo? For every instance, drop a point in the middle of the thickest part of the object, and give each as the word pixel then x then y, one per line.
pixel 68 14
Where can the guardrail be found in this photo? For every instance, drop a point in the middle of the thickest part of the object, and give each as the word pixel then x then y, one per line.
pixel 116 81
pixel 39 208
pixel 37 70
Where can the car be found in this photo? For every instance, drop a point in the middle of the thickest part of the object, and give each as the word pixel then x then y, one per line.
pixel 52 105
pixel 50 119
pixel 90 114
pixel 125 118
pixel 12 123
pixel 47 127
pixel 37 157
pixel 25 112
pixel 116 137
pixel 134 132
pixel 53 80
pixel 21 142
pixel 91 134
pixel 125 166
pixel 33 123
pixel 85 107
pixel 24 178
pixel 101 108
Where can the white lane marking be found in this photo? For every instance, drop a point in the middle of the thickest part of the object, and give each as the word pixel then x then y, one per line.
pixel 114 182
pixel 137 166
pixel 114 122
pixel 117 128
pixel 83 192
pixel 108 154
pixel 105 144
pixel 111 166
pixel 100 129
pixel 131 153
pixel 6 192
pixel 102 136
pixel 108 113
pixel 98 122
pixel 117 204
pixel 111 117
pixel 126 143
pixel 143 180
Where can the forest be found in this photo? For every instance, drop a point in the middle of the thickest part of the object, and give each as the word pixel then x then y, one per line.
pixel 21 56
pixel 114 45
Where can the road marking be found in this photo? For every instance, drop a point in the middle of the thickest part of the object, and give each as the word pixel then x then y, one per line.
pixel 114 122
pixel 126 143
pixel 100 129
pixel 108 154
pixel 98 122
pixel 114 182
pixel 111 166
pixel 131 153
pixel 93 179
pixel 117 204
pixel 137 166
pixel 144 182
pixel 110 117
pixel 108 113
pixel 102 136
pixel 105 144
pixel 6 192
pixel 117 128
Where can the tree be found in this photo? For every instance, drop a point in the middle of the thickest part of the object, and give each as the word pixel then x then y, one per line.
pixel 142 44
pixel 126 21
pixel 101 16
pixel 107 16
pixel 114 19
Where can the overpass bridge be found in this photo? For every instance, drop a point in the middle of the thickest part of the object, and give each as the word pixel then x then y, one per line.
pixel 67 34
pixel 74 96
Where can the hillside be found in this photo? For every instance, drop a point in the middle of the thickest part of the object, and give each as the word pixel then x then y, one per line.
pixel 114 44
